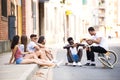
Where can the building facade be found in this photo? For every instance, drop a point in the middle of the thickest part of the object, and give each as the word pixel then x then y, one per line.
pixel 7 12
pixel 5 9
pixel 57 19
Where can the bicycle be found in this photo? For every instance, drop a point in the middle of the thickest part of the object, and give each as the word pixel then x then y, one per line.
pixel 109 59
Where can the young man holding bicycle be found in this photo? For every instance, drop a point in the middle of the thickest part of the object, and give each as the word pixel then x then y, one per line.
pixel 100 47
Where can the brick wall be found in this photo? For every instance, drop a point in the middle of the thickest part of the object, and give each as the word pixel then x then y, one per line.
pixel 23 17
pixel 4 23
pixel 4 42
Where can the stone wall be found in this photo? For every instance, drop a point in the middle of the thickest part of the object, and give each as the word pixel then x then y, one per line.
pixel 5 46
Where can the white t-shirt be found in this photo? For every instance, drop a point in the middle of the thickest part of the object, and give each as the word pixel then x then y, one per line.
pixel 103 42
pixel 73 50
pixel 31 46
pixel 21 47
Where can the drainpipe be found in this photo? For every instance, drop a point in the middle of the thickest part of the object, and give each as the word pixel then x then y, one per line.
pixel 34 16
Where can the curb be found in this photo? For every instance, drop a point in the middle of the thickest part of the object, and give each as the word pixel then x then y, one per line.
pixel 29 73
pixel 17 72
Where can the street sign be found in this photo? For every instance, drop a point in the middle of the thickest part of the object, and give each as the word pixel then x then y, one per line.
pixel 68 12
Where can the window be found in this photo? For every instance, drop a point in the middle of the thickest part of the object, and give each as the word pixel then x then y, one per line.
pixel 62 1
pixel 4 7
pixel 12 9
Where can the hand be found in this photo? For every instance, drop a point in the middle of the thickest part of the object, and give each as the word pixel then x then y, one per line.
pixel 8 63
pixel 83 39
pixel 89 41
pixel 75 45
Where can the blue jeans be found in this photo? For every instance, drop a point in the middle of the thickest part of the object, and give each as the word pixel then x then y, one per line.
pixel 75 58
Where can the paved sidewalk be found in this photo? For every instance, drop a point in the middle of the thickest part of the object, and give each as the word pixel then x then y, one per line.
pixel 21 71
pixel 13 71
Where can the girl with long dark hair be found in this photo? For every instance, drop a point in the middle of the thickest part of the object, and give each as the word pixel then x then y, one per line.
pixel 20 59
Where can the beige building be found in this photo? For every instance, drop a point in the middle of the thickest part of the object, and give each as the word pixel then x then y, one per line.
pixel 54 22
pixel 59 19
pixel 112 18
pixel 45 18
pixel 104 14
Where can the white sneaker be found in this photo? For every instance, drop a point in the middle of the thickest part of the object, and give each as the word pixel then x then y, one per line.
pixel 79 64
pixel 74 64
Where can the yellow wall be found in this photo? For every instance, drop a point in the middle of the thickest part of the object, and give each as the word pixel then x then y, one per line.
pixel 19 18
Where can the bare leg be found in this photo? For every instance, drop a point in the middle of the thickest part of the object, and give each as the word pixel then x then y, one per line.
pixel 44 55
pixel 40 62
pixel 38 53
pixel 70 56
pixel 31 56
pixel 80 52
pixel 49 55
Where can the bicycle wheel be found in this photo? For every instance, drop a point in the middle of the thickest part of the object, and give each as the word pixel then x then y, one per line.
pixel 104 61
pixel 112 57
pixel 109 61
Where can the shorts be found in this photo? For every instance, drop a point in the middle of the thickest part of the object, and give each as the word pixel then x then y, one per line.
pixel 19 60
pixel 75 57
